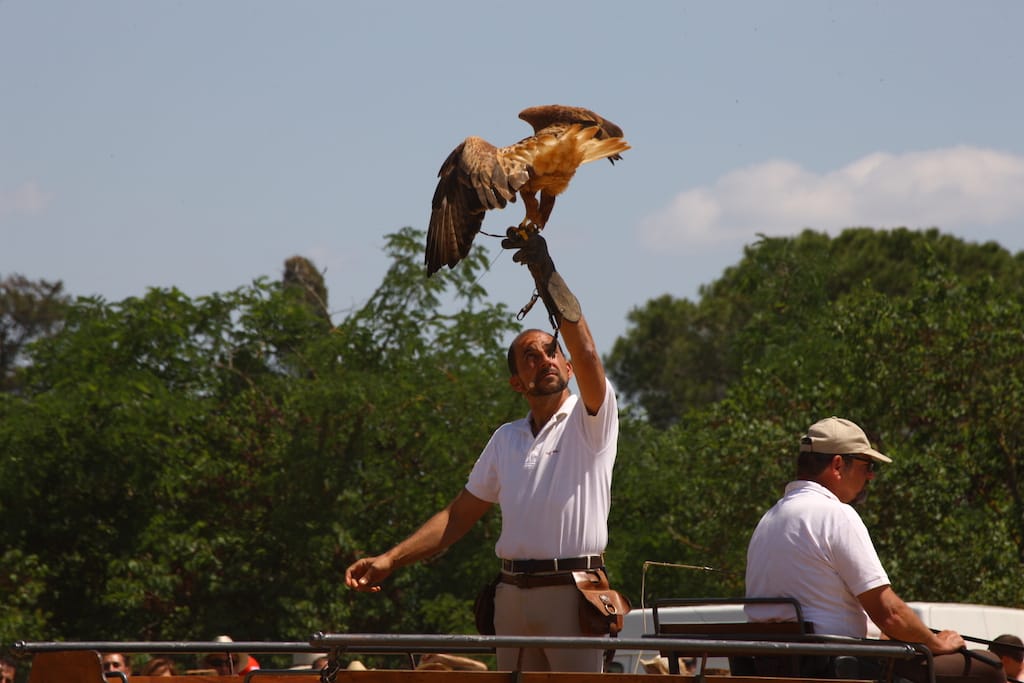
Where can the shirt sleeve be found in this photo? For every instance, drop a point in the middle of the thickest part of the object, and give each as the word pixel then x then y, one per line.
pixel 855 558
pixel 483 480
pixel 601 429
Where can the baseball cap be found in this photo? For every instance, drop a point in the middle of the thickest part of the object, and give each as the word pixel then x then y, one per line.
pixel 835 435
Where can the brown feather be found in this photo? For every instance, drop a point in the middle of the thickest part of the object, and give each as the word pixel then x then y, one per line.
pixel 477 176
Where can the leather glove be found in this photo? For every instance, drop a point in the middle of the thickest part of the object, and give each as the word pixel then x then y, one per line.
pixel 532 252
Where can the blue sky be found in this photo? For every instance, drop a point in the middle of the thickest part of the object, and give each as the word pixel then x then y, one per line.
pixel 199 144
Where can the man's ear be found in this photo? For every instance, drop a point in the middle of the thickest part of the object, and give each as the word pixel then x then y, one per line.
pixel 516 384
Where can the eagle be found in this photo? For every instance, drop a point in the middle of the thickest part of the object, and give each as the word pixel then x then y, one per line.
pixel 477 176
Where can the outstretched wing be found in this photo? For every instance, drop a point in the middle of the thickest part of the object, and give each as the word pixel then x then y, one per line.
pixel 472 180
pixel 554 118
pixel 477 176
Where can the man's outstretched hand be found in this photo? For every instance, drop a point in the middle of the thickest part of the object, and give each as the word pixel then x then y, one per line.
pixel 366 574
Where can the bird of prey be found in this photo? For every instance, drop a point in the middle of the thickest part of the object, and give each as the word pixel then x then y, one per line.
pixel 477 176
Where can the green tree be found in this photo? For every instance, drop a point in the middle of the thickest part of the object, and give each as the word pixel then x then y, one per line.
pixel 935 377
pixel 193 467
pixel 29 310
pixel 677 355
pixel 187 467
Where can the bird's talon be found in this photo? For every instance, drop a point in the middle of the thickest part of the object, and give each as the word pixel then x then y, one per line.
pixel 524 231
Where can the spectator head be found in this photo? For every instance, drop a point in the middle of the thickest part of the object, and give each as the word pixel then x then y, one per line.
pixel 116 662
pixel 7 670
pixel 159 666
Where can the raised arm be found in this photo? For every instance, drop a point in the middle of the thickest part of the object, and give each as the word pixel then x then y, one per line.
pixel 586 363
pixel 436 534
pixel 565 313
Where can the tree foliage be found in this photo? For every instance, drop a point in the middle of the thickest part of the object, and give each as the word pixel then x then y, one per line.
pixel 175 468
pixel 29 310
pixel 678 355
pixel 932 368
pixel 193 467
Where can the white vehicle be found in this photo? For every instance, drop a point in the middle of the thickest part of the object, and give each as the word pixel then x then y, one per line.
pixel 984 622
pixel 974 622
pixel 640 622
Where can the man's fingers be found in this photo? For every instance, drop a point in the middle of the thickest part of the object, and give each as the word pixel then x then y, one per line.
pixel 359 576
pixel 366 585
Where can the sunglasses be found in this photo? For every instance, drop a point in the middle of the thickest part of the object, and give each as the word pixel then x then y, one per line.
pixel 872 463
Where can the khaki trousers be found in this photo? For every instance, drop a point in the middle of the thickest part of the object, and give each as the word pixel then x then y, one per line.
pixel 546 611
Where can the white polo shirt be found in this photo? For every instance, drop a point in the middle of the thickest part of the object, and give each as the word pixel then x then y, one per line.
pixel 813 547
pixel 554 490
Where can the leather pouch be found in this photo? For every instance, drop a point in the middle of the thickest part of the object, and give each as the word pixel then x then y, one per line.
pixel 601 609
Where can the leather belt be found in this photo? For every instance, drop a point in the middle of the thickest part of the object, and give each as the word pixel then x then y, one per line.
pixel 538 580
pixel 568 564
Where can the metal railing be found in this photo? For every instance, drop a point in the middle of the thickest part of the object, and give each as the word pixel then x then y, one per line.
pixel 339 644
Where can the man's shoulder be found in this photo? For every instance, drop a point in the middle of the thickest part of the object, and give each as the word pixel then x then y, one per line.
pixel 512 428
pixel 608 403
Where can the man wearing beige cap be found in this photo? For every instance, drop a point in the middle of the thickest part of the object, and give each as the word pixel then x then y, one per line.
pixel 813 546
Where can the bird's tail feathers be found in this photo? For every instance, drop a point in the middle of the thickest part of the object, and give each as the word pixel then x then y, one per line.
pixel 609 148
pixel 595 148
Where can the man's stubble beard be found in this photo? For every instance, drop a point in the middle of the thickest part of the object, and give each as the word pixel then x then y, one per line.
pixel 548 390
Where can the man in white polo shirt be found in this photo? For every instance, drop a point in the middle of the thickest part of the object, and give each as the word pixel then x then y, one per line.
pixel 813 546
pixel 549 472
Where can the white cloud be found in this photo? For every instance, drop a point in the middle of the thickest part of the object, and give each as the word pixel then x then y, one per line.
pixel 954 189
pixel 26 199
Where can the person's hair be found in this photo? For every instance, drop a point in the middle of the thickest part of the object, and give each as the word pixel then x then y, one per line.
pixel 512 367
pixel 1008 646
pixel 159 666
pixel 809 465
pixel 512 357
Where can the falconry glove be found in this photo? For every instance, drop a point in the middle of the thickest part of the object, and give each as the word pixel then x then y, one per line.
pixel 556 295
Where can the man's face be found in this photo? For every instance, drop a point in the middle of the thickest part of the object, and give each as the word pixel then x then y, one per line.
pixel 541 368
pixel 6 673
pixel 856 473
pixel 114 661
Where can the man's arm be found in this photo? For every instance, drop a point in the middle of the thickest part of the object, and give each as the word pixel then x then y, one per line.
pixel 586 363
pixel 565 312
pixel 436 534
pixel 896 620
